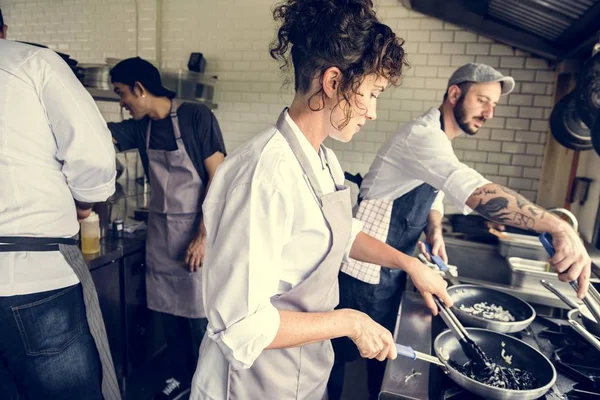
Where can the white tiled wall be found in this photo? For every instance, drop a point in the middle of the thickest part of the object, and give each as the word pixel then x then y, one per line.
pixel 234 37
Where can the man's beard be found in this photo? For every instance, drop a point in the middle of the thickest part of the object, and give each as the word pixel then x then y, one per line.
pixel 460 115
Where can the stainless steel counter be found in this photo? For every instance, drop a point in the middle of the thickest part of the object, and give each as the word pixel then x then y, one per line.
pixel 405 378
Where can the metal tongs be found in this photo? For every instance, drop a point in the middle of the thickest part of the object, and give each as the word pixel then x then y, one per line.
pixel 576 325
pixel 593 298
pixel 471 349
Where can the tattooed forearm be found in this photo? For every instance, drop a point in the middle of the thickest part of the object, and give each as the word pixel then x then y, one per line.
pixel 533 211
pixel 524 220
pixel 521 201
pixel 483 191
pixel 495 209
pixel 504 205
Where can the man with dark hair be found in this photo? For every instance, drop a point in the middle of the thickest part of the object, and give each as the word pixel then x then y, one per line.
pixel 181 146
pixel 401 196
pixel 56 160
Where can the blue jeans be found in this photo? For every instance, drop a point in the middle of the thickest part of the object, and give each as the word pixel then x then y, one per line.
pixel 46 349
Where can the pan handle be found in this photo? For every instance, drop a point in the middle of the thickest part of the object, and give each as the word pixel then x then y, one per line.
pixel 585 334
pixel 407 351
pixel 558 294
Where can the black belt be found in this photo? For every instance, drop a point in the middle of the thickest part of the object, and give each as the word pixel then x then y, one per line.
pixel 27 243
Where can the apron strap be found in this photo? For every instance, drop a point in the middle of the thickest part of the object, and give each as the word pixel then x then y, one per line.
pixel 26 243
pixel 288 133
pixel 37 240
pixel 110 385
pixel 174 120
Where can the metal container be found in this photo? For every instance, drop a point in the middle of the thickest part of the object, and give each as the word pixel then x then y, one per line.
pixel 527 274
pixel 522 246
pixel 189 84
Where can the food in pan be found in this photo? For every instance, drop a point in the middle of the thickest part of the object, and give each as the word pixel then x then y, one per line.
pixel 498 376
pixel 491 312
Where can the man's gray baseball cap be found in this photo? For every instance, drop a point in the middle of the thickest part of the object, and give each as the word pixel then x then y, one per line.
pixel 481 73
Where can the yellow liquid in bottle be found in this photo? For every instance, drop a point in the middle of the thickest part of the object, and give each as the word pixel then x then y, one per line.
pixel 90 245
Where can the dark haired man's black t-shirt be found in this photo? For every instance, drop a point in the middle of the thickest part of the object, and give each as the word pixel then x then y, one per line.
pixel 200 133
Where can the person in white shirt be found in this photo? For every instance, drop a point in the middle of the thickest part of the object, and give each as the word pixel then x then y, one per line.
pixel 56 159
pixel 401 196
pixel 279 221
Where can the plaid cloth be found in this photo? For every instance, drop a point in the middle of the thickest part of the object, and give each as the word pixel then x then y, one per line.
pixel 375 216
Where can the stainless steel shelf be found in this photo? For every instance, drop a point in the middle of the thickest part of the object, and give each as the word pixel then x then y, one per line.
pixel 109 95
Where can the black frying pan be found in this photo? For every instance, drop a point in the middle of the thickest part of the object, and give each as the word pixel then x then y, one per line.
pixel 447 348
pixel 449 351
pixel 469 295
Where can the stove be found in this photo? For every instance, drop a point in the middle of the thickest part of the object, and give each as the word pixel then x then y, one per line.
pixel 573 358
pixel 577 363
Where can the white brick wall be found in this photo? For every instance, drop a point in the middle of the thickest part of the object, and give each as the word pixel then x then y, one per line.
pixel 234 37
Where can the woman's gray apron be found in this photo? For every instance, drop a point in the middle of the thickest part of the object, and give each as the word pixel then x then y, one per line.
pixel 70 251
pixel 174 220
pixel 302 372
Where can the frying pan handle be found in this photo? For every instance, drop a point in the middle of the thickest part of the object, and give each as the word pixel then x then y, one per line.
pixel 546 240
pixel 406 351
pixel 558 294
pixel 437 260
pixel 585 334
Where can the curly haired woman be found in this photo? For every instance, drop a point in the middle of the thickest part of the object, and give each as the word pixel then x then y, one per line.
pixel 279 220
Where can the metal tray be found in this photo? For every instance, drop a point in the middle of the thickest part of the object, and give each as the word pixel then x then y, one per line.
pixel 522 246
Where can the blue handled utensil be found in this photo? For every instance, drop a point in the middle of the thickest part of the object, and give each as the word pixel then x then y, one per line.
pixel 546 240
pixel 437 260
pixel 407 351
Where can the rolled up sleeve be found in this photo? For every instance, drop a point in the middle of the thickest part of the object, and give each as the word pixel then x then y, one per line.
pixel 84 142
pixel 432 160
pixel 438 203
pixel 357 226
pixel 247 227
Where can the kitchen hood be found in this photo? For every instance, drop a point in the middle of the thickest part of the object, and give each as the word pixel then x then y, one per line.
pixel 553 29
